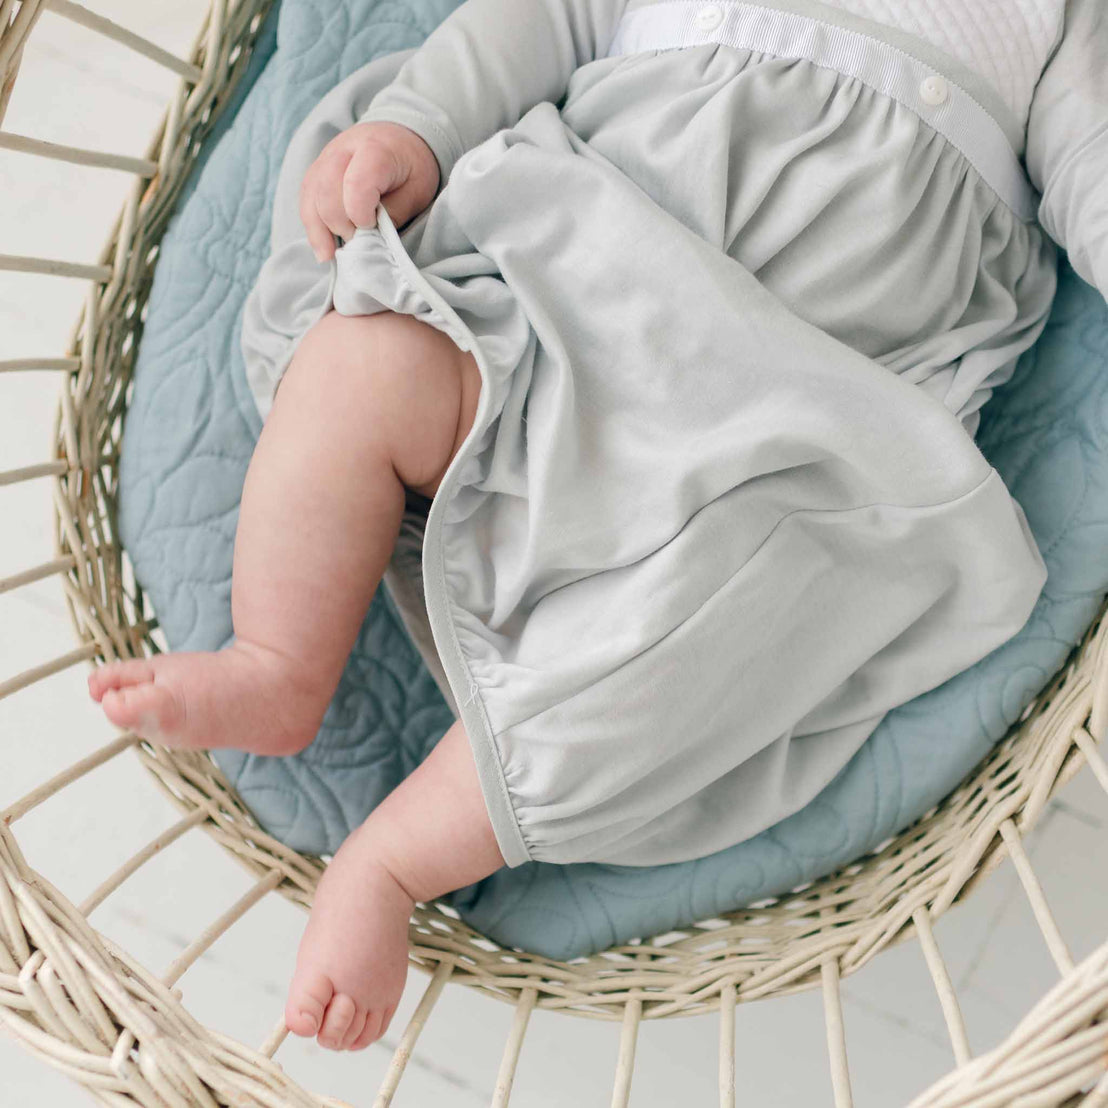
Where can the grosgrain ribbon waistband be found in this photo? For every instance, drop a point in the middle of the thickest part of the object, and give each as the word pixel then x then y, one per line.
pixel 936 99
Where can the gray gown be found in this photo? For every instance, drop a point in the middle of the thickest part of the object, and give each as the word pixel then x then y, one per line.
pixel 737 301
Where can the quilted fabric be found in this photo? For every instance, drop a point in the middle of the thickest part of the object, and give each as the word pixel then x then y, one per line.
pixel 191 428
pixel 1005 41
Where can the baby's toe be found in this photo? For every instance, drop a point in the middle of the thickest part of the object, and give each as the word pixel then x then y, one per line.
pixel 357 1026
pixel 139 707
pixel 308 1000
pixel 102 679
pixel 373 1030
pixel 118 675
pixel 340 1014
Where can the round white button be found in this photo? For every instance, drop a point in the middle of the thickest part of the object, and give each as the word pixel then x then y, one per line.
pixel 709 17
pixel 934 91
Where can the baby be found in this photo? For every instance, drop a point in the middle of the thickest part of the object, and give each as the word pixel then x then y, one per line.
pixel 798 141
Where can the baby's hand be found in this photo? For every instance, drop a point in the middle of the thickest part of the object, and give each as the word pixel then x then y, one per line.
pixel 366 164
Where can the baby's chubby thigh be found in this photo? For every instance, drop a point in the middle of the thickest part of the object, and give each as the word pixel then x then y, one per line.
pixel 410 383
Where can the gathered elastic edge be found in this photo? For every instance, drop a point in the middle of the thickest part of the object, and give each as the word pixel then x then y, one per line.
pixel 494 788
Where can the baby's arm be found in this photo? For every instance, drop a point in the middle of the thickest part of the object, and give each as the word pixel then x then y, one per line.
pixel 1067 141
pixel 487 64
pixel 479 71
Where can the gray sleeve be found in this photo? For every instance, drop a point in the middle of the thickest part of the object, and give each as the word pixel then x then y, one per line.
pixel 1067 141
pixel 487 64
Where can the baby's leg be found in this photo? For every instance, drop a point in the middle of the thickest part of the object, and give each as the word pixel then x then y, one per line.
pixel 367 406
pixel 430 835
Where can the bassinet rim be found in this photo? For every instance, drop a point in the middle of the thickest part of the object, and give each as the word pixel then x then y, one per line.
pixel 1055 735
pixel 176 771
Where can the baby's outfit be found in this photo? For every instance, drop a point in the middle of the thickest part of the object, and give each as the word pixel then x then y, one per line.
pixel 739 277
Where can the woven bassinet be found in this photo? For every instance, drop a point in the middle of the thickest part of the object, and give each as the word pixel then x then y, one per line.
pixel 86 1007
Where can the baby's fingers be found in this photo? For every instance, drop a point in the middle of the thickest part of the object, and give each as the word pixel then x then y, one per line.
pixel 373 171
pixel 321 209
pixel 319 234
pixel 329 196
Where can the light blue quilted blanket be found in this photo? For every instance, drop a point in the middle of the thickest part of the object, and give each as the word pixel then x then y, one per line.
pixel 191 429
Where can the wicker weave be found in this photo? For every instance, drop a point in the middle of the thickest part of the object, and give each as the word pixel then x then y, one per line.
pixel 87 1008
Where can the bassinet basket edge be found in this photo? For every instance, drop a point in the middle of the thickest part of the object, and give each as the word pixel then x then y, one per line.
pixel 84 1006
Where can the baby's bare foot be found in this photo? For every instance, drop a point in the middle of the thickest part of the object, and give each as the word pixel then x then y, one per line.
pixel 353 958
pixel 244 696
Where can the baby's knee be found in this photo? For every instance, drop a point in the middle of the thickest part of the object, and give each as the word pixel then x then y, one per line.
pixel 415 389
pixel 431 418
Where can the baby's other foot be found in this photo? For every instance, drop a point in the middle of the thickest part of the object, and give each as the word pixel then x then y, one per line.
pixel 244 696
pixel 353 958
pixel 130 698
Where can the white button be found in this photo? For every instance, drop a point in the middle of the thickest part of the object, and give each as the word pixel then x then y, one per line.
pixel 709 17
pixel 934 91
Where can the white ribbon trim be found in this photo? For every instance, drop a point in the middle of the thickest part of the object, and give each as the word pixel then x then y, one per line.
pixel 886 68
